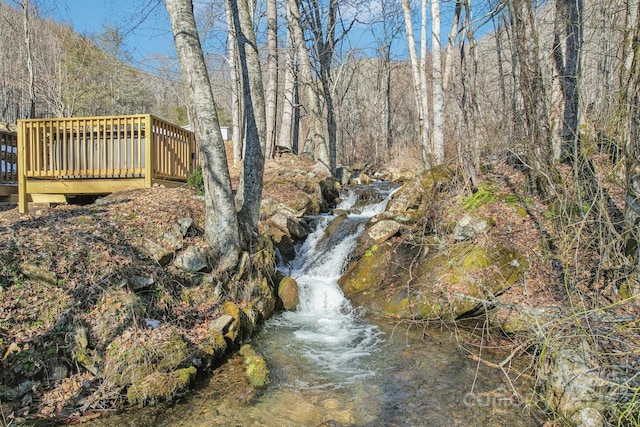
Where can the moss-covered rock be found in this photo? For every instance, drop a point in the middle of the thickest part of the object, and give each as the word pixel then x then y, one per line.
pixel 160 386
pixel 288 293
pixel 255 367
pixel 130 359
pixel 445 284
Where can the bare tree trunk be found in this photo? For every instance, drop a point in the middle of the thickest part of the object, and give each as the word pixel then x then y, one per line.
pixel 272 78
pixel 427 141
pixel 448 63
pixel 438 98
pixel 221 221
pixel 531 87
pixel 418 68
pixel 249 194
pixel 237 130
pixel 289 104
pixel 316 136
pixel 30 69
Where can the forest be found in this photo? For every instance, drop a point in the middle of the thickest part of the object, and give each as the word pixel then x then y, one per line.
pixel 550 87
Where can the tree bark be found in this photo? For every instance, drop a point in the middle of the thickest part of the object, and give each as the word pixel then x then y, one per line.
pixel 237 130
pixel 285 137
pixel 249 194
pixel 26 27
pixel 221 221
pixel 272 78
pixel 438 98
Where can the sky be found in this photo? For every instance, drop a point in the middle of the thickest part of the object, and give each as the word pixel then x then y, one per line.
pixel 144 23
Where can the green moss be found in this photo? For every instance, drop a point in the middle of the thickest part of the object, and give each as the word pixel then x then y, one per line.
pixel 288 293
pixel 160 386
pixel 255 367
pixel 476 258
pixel 366 274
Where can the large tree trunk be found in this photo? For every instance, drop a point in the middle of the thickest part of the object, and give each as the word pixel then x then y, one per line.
pixel 26 24
pixel 272 78
pixel 419 78
pixel 249 194
pixel 221 221
pixel 237 134
pixel 285 138
pixel 534 99
pixel 315 141
pixel 438 98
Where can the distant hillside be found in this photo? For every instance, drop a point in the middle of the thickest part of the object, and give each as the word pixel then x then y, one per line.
pixel 74 75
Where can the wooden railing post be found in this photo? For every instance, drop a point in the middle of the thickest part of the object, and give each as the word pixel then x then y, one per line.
pixel 148 151
pixel 23 206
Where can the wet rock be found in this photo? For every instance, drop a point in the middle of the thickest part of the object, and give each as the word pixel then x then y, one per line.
pixel 282 242
pixel 263 297
pixel 342 175
pixel 255 367
pixel 288 293
pixel 329 193
pixel 443 285
pixel 192 260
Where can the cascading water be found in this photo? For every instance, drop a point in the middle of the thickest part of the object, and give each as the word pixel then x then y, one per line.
pixel 325 328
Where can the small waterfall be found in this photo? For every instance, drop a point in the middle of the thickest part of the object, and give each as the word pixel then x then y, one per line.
pixel 325 328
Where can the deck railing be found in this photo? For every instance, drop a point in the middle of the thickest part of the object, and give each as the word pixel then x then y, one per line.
pixel 93 154
pixel 8 157
pixel 106 147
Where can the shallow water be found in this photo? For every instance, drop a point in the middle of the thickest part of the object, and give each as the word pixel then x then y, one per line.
pixel 331 365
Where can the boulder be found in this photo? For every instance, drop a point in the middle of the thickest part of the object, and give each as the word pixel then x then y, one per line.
pixel 381 231
pixel 573 388
pixel 288 293
pixel 255 367
pixel 445 284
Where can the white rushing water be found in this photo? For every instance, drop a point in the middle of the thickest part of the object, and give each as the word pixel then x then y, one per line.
pixel 327 330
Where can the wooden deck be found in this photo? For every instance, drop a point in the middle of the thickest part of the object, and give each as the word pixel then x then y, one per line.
pixel 100 155
pixel 8 163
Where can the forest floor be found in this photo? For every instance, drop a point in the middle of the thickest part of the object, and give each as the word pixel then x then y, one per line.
pixel 86 247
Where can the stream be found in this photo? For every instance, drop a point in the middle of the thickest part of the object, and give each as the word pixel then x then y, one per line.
pixel 332 364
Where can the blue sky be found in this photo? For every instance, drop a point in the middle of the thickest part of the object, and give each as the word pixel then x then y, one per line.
pixel 144 22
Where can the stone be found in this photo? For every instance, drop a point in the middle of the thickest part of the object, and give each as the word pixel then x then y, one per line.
pixel 137 283
pixel 185 225
pixel 469 227
pixel 573 384
pixel 172 239
pixel 255 367
pixel 39 273
pixel 382 231
pixel 192 260
pixel 588 417
pixel 221 324
pixel 159 254
pixel 288 293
